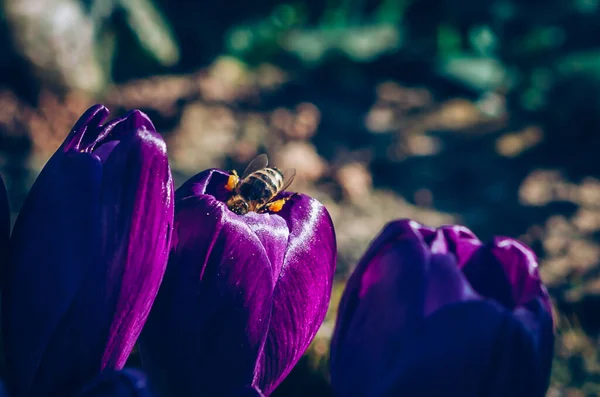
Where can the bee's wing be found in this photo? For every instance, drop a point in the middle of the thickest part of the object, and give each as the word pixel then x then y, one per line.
pixel 258 163
pixel 288 177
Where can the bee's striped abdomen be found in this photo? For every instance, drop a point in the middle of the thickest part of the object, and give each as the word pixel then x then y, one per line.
pixel 261 185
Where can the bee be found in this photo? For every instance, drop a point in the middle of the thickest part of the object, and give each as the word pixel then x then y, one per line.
pixel 258 186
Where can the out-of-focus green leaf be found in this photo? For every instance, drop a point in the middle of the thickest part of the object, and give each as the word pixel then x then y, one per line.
pixel 152 30
pixel 584 61
pixel 480 73
pixel 361 43
pixel 391 11
pixel 483 40
pixel 587 6
pixel 539 39
pixel 449 40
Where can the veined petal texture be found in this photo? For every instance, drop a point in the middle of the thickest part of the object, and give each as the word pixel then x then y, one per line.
pixel 243 295
pixel 89 251
pixel 437 312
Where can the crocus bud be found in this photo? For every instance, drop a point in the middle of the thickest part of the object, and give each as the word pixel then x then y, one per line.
pixel 243 295
pixel 88 252
pixel 435 312
pixel 4 230
pixel 124 383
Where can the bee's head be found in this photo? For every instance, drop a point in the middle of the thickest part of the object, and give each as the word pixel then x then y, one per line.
pixel 238 205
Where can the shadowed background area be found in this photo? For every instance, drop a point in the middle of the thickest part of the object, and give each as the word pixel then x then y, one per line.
pixel 444 111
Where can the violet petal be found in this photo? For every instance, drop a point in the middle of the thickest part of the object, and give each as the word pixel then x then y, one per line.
pixel 468 349
pixel 53 245
pixel 470 339
pixel 210 319
pixel 87 131
pixel 445 284
pixel 136 222
pixel 247 257
pixel 302 293
pixel 461 242
pixel 374 330
pixel 403 232
pixel 72 305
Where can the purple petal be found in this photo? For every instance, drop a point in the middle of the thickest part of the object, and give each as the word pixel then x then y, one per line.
pixel 506 271
pixel 87 131
pixel 4 229
pixel 89 250
pixel 382 301
pixel 303 290
pixel 404 232
pixel 470 349
pixel 136 222
pixel 210 320
pixel 211 182
pixel 124 383
pixel 461 242
pixel 258 267
pixel 409 316
pixel 53 245
pixel 446 285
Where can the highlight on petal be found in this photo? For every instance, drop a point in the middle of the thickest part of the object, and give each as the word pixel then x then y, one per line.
pixel 86 130
pixel 209 322
pixel 136 218
pixel 243 296
pixel 427 304
pixel 89 248
pixel 303 289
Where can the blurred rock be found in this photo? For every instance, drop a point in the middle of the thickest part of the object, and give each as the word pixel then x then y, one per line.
pixel 404 97
pixel 511 145
pixel 589 192
pixel 58 39
pixel 358 224
pixel 355 180
pixel 204 137
pixel 457 114
pixel 253 134
pixel 587 220
pixel 159 93
pixel 381 118
pixel 541 187
pixel 270 77
pixel 304 158
pixel 227 80
pixel 301 124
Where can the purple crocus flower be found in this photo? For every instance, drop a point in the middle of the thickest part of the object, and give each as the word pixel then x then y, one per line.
pixel 432 312
pixel 125 383
pixel 88 252
pixel 243 295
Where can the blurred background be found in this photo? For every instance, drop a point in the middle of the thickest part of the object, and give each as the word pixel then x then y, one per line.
pixel 485 113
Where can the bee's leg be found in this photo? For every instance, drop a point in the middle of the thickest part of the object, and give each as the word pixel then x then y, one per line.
pixel 233 181
pixel 277 205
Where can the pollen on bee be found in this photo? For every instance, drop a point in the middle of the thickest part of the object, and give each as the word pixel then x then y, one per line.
pixel 232 181
pixel 277 205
